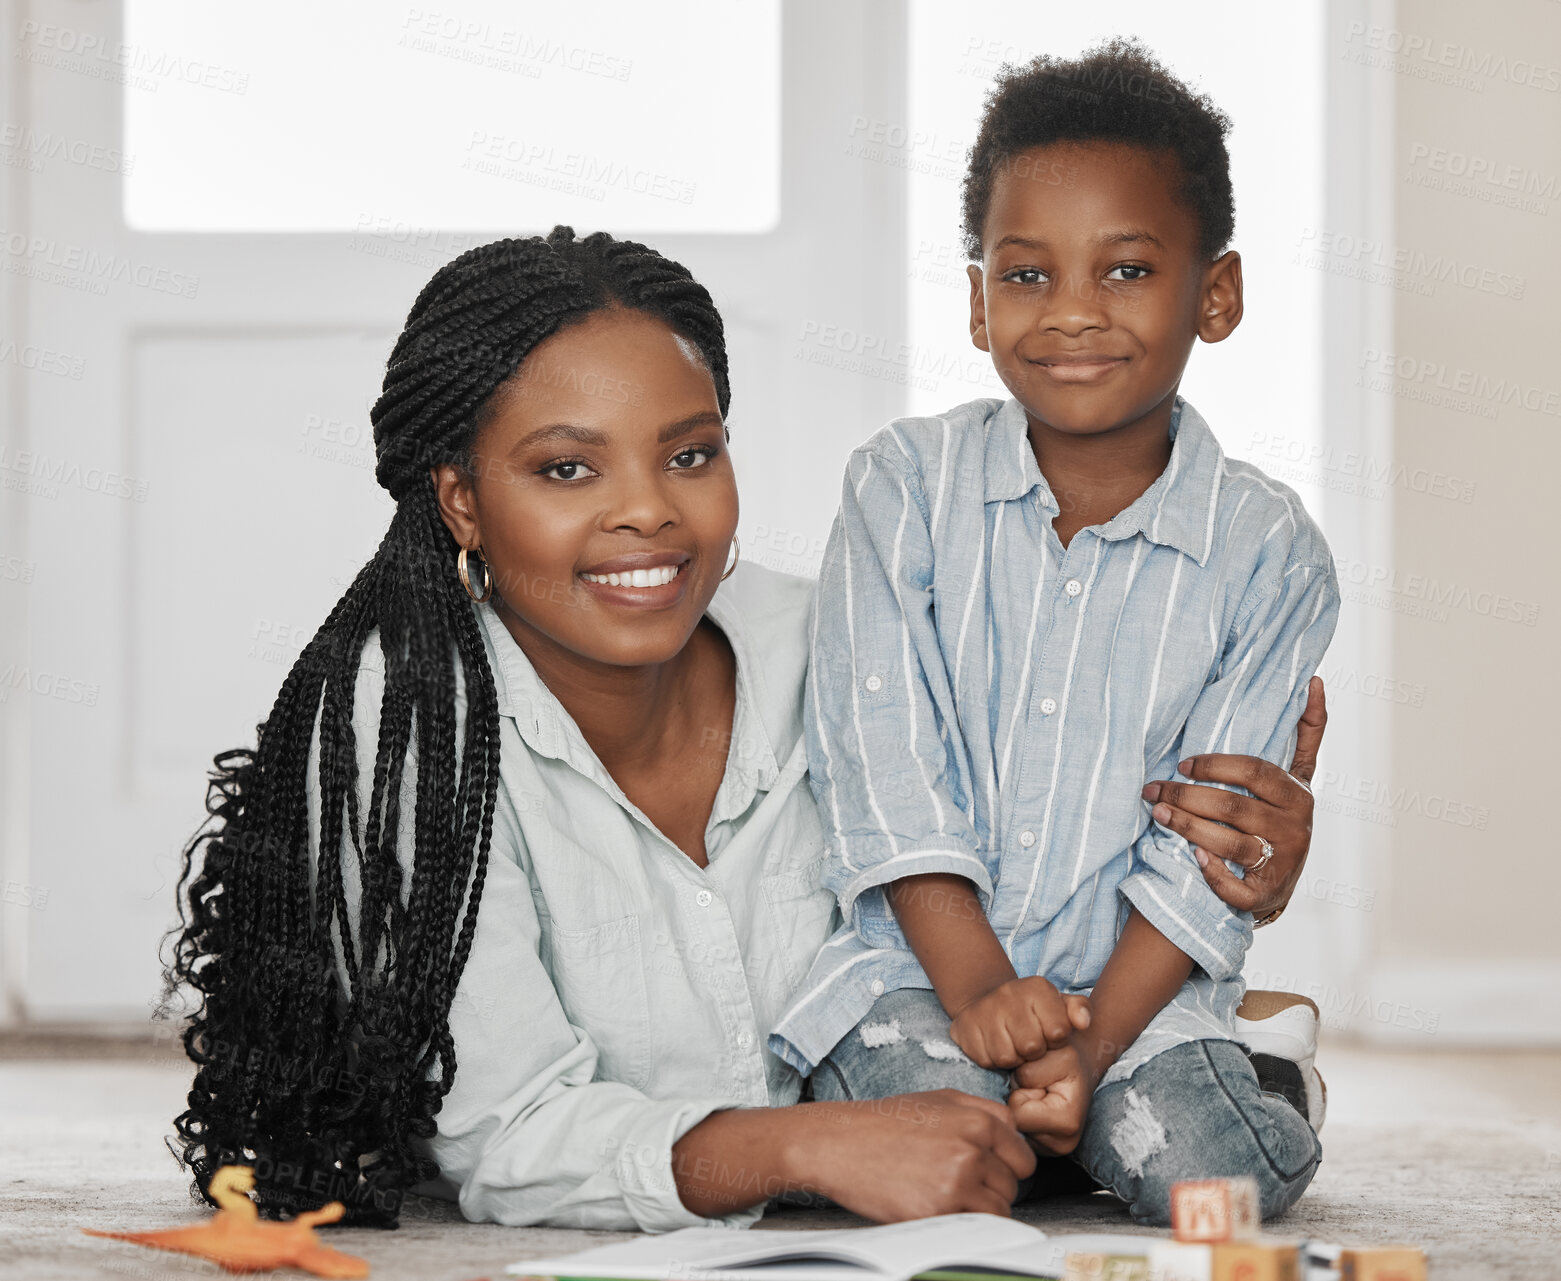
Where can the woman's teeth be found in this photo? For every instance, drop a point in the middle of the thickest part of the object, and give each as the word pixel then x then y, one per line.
pixel 637 577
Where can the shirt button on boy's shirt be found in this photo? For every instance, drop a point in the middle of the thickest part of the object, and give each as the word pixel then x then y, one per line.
pixel 1073 587
pixel 1027 837
pixel 704 898
pixel 876 987
pixel 874 684
pixel 1048 706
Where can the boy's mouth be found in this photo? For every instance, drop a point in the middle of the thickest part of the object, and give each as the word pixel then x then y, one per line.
pixel 1080 368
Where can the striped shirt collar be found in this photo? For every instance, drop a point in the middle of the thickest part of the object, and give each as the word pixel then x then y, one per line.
pixel 1176 511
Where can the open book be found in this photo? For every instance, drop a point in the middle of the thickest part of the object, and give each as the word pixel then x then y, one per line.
pixel 894 1252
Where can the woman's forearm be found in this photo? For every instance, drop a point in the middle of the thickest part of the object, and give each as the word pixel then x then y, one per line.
pixel 738 1158
pixel 942 919
pixel 1144 972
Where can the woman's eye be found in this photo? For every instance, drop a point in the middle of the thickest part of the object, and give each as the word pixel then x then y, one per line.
pixel 573 470
pixel 1135 272
pixel 1025 276
pixel 690 458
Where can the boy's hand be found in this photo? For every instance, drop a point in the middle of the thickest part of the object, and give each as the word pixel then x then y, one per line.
pixel 1051 1098
pixel 1017 1021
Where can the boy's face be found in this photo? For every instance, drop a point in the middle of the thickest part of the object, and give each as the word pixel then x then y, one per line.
pixel 1091 291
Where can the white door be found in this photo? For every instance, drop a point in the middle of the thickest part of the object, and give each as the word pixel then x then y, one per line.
pixel 187 462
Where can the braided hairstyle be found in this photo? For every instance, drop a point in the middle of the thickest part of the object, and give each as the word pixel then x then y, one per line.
pixel 320 1073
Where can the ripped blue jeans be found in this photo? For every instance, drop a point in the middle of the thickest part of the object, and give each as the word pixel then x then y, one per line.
pixel 1193 1112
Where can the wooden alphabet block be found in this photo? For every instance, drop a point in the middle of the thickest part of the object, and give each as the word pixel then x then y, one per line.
pixel 1256 1261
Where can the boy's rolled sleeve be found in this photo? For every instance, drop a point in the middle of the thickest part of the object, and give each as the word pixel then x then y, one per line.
pixel 1252 707
pixel 882 736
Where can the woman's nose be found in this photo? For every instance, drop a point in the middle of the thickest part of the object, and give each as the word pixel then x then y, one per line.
pixel 642 503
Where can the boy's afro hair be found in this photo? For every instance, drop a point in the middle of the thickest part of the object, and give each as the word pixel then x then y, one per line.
pixel 1116 92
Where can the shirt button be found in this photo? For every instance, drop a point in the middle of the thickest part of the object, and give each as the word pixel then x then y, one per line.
pixel 1048 706
pixel 744 1038
pixel 704 898
pixel 1027 838
pixel 874 684
pixel 1073 587
pixel 876 987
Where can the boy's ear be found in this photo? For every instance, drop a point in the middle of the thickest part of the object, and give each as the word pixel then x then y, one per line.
pixel 977 308
pixel 1219 309
pixel 457 503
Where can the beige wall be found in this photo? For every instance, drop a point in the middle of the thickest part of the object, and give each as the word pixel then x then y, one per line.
pixel 1485 736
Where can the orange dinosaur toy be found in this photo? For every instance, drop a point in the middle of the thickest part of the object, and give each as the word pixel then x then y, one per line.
pixel 237 1239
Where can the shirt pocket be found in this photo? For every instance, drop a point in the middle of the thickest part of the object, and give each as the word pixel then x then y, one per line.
pixel 599 974
pixel 802 913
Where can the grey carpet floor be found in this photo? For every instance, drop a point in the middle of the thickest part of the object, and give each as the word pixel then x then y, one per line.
pixel 1457 1152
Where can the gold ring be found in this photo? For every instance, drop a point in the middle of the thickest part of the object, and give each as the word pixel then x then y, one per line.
pixel 1268 853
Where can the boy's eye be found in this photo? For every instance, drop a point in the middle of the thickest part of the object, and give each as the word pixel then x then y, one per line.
pixel 566 469
pixel 691 458
pixel 1025 276
pixel 1133 270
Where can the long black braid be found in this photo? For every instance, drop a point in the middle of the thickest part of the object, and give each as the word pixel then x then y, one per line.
pixel 322 1090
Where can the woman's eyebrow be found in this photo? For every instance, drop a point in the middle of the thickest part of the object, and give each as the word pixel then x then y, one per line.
pixel 685 425
pixel 561 431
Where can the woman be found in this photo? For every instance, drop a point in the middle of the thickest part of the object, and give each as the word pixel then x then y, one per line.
pixel 524 863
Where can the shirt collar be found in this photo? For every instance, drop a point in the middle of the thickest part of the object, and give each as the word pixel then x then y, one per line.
pixel 1176 511
pixel 548 729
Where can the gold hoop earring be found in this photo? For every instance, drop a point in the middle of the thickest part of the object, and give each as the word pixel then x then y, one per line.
pixel 736 552
pixel 466 581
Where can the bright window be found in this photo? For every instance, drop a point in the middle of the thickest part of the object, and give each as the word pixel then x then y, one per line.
pixel 362 116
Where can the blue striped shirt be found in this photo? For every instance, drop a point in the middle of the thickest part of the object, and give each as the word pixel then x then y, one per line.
pixel 985 702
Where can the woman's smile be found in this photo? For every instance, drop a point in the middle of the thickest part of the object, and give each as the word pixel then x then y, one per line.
pixel 649 580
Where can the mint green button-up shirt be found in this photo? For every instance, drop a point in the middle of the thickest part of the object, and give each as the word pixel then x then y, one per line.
pixel 617 993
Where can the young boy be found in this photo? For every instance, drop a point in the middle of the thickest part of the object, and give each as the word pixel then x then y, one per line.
pixel 1028 607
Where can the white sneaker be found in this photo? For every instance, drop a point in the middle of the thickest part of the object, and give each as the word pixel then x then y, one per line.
pixel 1279 1030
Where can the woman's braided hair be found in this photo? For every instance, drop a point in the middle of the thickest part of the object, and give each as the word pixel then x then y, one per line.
pixel 323 1086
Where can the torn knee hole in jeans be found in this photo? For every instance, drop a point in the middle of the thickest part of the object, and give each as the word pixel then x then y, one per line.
pixel 877 1035
pixel 1138 1135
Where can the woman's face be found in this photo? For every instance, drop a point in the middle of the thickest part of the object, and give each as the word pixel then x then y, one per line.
pixel 603 496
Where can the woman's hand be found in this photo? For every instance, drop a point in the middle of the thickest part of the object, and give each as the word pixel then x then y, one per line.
pixel 1228 825
pixel 910 1155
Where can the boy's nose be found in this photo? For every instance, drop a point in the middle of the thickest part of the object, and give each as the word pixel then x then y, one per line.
pixel 1073 307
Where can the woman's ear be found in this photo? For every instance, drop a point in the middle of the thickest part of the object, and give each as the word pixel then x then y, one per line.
pixel 1219 309
pixel 457 503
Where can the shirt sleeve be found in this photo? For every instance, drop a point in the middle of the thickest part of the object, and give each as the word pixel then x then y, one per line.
pixel 880 723
pixel 1252 708
pixel 526 1135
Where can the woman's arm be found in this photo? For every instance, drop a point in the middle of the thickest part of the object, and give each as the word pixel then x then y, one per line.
pixel 904 1157
pixel 1227 824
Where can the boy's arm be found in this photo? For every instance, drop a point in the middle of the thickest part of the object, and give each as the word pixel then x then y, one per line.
pixel 1052 1095
pixel 995 1017
pixel 1251 707
pixel 943 922
pixel 884 749
pixel 1144 972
